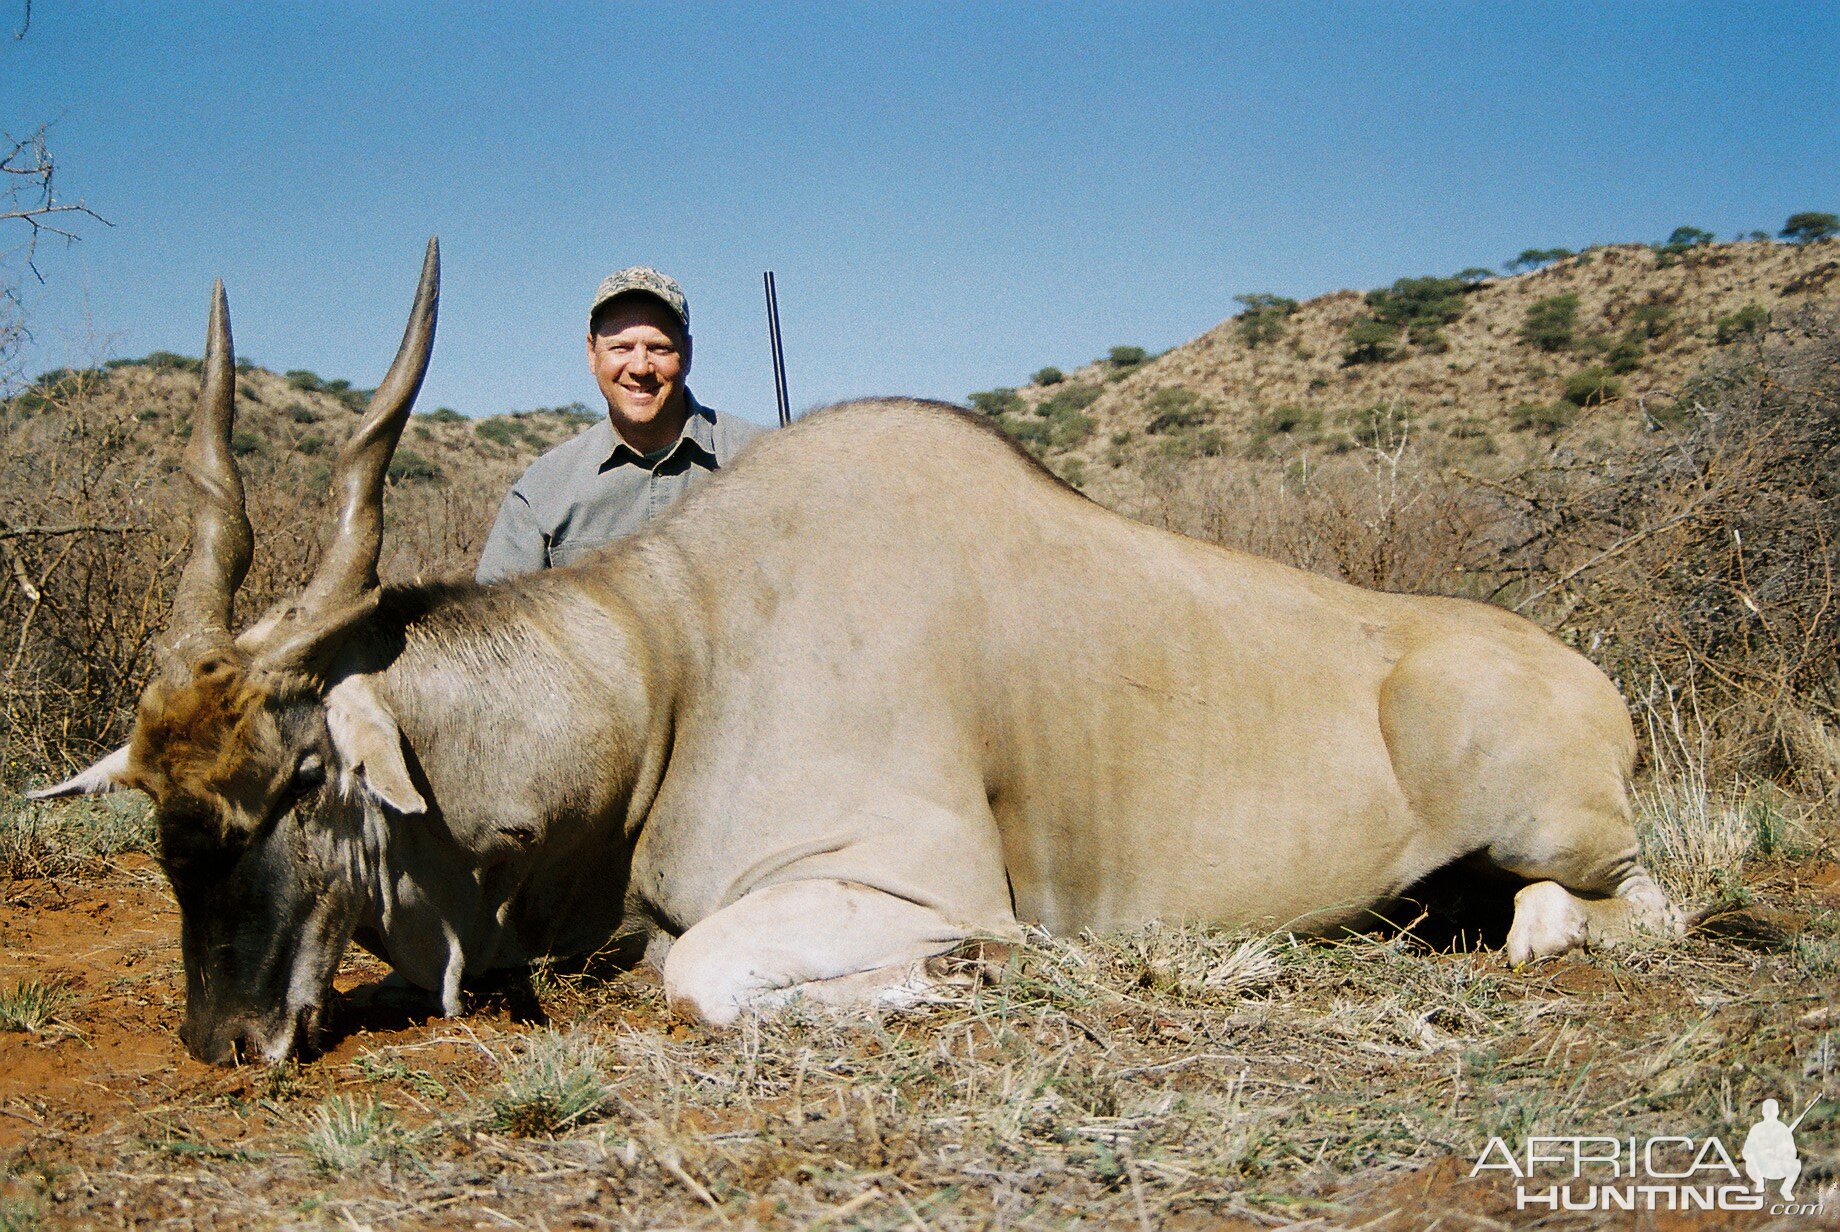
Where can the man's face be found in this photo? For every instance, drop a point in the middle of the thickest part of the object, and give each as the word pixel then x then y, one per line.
pixel 640 357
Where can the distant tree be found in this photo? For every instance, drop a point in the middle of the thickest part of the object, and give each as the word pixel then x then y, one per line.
pixel 1755 235
pixel 1474 274
pixel 1534 258
pixel 443 414
pixel 1263 318
pixel 1683 238
pixel 1806 227
pixel 1371 341
pixel 1420 307
pixel 1048 376
pixel 1126 356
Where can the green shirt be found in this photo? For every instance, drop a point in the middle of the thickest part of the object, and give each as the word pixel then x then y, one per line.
pixel 595 488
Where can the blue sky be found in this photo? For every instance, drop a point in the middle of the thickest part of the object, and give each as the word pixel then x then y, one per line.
pixel 952 195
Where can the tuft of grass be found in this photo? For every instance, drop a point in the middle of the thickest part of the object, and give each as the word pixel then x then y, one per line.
pixel 31 1005
pixel 20 1215
pixel 1697 838
pixel 554 1084
pixel 345 1133
pixel 68 836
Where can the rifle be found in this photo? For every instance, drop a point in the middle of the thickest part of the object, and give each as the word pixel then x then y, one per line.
pixel 779 353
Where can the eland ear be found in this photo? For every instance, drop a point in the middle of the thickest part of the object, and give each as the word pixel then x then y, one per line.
pixel 109 774
pixel 370 744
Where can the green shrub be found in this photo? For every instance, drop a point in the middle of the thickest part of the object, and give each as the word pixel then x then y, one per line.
pixel 409 466
pixel 1592 387
pixel 577 413
pixel 312 444
pixel 1069 398
pixel 1412 310
pixel 996 401
pixel 1473 275
pixel 305 380
pixel 1035 435
pixel 1263 318
pixel 1421 305
pixel 1381 426
pixel 1370 341
pixel 1544 418
pixel 1048 376
pixel 1171 409
pixel 1808 226
pixel 1290 418
pixel 1194 443
pixel 444 414
pixel 498 431
pixel 1623 356
pixel 1552 323
pixel 301 413
pixel 1742 324
pixel 1648 321
pixel 1126 356
pixel 244 442
pixel 1068 427
pixel 167 361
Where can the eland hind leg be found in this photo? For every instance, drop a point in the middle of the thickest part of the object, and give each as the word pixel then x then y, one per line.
pixel 1586 885
pixel 1515 749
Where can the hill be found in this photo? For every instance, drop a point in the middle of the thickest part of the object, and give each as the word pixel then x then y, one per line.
pixel 1473 369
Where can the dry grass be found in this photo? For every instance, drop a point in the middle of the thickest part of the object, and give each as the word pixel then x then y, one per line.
pixel 1143 1079
pixel 32 1005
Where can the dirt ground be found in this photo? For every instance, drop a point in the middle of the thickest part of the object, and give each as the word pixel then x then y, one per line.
pixel 1173 1078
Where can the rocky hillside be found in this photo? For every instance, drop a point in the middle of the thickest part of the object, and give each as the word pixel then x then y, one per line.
pixel 1471 368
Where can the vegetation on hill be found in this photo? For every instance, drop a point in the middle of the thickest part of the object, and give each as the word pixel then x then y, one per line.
pixel 1575 441
pixel 94 515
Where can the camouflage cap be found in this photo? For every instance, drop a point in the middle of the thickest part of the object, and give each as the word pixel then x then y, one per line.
pixel 647 281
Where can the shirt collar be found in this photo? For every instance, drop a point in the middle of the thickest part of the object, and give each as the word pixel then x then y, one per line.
pixel 697 439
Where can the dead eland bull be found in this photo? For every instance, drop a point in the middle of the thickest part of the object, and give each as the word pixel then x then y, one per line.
pixel 882 688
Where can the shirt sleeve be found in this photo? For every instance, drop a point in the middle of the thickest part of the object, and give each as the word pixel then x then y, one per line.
pixel 515 544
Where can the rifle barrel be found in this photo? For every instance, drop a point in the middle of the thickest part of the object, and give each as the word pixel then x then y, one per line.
pixel 779 352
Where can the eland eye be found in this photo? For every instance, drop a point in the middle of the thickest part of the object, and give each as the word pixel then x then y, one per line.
pixel 309 774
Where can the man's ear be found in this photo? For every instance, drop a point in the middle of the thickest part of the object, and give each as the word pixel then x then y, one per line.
pixel 109 774
pixel 370 744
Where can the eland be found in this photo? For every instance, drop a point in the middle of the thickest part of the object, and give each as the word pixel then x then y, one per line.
pixel 880 691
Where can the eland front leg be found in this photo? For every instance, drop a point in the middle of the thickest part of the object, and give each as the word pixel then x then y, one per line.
pixel 829 942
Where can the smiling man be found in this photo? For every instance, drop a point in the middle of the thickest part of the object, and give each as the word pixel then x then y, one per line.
pixel 656 441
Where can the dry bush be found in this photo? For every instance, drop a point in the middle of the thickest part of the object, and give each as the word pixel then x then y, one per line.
pixel 1701 562
pixel 94 519
pixel 1385 517
pixel 1696 565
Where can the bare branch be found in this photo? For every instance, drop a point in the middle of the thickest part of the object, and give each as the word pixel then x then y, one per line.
pixel 32 198
pixel 85 528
